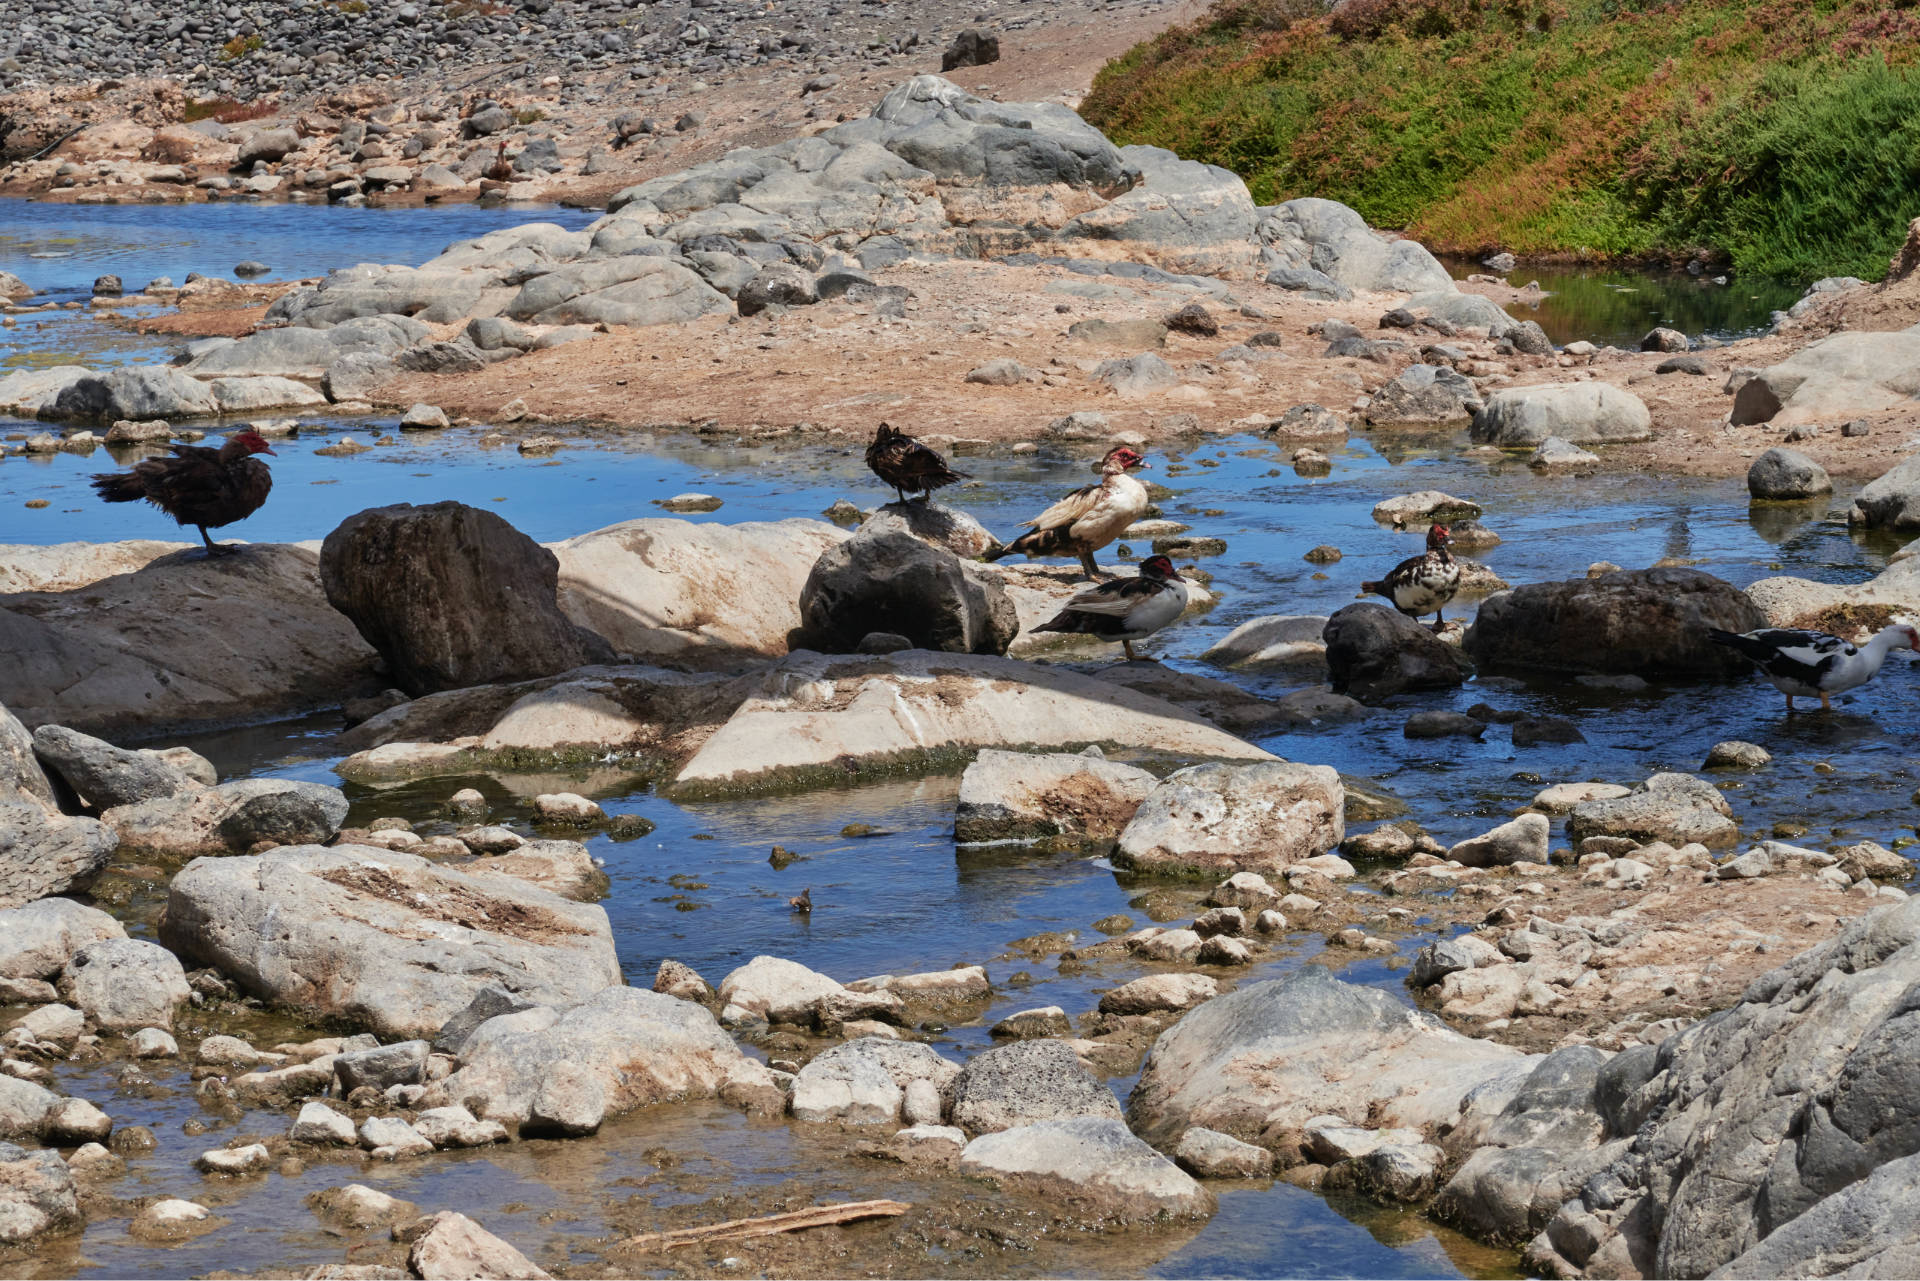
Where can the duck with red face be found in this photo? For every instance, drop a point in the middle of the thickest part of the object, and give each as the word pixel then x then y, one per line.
pixel 1090 517
pixel 1125 609
pixel 205 488
pixel 1422 584
pixel 1809 664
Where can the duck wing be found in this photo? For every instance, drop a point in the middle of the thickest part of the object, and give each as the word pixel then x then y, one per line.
pixel 1068 509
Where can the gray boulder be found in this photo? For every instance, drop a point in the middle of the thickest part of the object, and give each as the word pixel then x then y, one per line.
pixel 1424 396
pixel 37 1196
pixel 1842 376
pixel 865 1081
pixel 1028 1081
pixel 776 285
pixel 22 778
pixel 1464 311
pixel 125 984
pixel 357 375
pixel 1645 622
pixel 1787 474
pixel 1591 413
pixel 1891 501
pixel 1092 1164
pixel 971 48
pixel 1308 283
pixel 271 145
pixel 1677 808
pixel 430 296
pixel 1375 652
pixel 1130 377
pixel 1336 241
pixel 889 581
pixel 452 596
pixel 384 940
pixel 629 290
pixel 37 940
pixel 44 853
pixel 1198 217
pixel 105 775
pixel 231 818
pixel 139 393
pixel 1524 840
pixel 1215 819
pixel 401 1063
pixel 633 1047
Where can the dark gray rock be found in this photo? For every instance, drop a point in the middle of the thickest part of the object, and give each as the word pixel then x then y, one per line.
pixel 1786 475
pixel 105 775
pixel 1374 652
pixel 452 596
pixel 891 581
pixel 971 48
pixel 1026 1082
pixel 1424 396
pixel 1645 621
pixel 777 284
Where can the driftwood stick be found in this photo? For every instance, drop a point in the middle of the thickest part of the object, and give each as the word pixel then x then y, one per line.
pixel 816 1216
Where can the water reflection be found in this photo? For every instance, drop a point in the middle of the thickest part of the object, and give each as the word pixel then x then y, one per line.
pixel 1617 306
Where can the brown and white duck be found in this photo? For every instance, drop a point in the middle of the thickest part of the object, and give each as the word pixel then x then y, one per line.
pixel 1421 584
pixel 908 465
pixel 1090 517
pixel 1125 609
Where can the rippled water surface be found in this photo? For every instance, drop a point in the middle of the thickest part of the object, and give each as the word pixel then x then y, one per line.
pixel 700 888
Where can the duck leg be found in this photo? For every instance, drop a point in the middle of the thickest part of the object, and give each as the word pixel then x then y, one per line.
pixel 1087 564
pixel 1131 656
pixel 213 548
pixel 902 493
pixel 1789 704
pixel 1826 703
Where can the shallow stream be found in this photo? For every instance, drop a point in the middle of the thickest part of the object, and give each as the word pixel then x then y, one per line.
pixel 700 888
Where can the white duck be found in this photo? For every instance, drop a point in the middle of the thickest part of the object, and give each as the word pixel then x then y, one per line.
pixel 1806 664
pixel 1125 609
pixel 1090 517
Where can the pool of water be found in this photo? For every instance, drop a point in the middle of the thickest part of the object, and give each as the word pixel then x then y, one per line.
pixel 1617 305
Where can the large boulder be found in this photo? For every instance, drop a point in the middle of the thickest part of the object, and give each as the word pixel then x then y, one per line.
pixel 44 853
pixel 1092 1164
pixel 1769 1130
pixel 147 637
pixel 1786 475
pixel 104 775
pixel 1646 622
pixel 635 1048
pixel 381 939
pixel 865 1081
pixel 452 596
pixel 1217 819
pixel 701 594
pixel 1195 217
pixel 894 582
pixel 1592 413
pixel 1026 1082
pixel 1891 501
pixel 1260 1062
pixel 139 393
pixel 1333 239
pixel 776 989
pixel 26 392
pixel 1841 376
pixel 37 1196
pixel 1676 808
pixel 231 818
pixel 297 352
pixel 627 290
pixel 1374 652
pixel 125 984
pixel 37 940
pixel 1059 800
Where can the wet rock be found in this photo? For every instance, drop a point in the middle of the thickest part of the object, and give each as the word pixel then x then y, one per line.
pixel 383 938
pixel 1561 798
pixel 320 1125
pixel 123 984
pixel 1024 1025
pixel 640 1046
pixel 1276 640
pixel 1423 507
pixel 1786 475
pixel 390 1137
pixel 1644 622
pixel 1269 1056
pixel 1405 1173
pixel 152 1043
pixel 138 393
pixel 359 1207
pixel 455 1248
pixel 1734 754
pixel 930 1144
pixel 1668 807
pixel 1207 819
pixel 249 1159
pixel 1589 413
pixel 427 586
pixel 1442 724
pixel 1054 798
pixel 455 1127
pixel 1524 840
pixel 232 817
pixel 1559 456
pixel 1089 1162
pixel 1158 992
pixel 170 1220
pixel 37 1196
pixel 1531 731
pixel 865 1081
pixel 889 581
pixel 1374 652
pixel 37 940
pixel 1210 1154
pixel 1027 1082
pixel 105 775
pixel 68 1123
pixel 1248 891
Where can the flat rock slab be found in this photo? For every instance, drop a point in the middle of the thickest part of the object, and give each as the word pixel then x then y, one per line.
pixel 382 939
pixel 1092 1163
